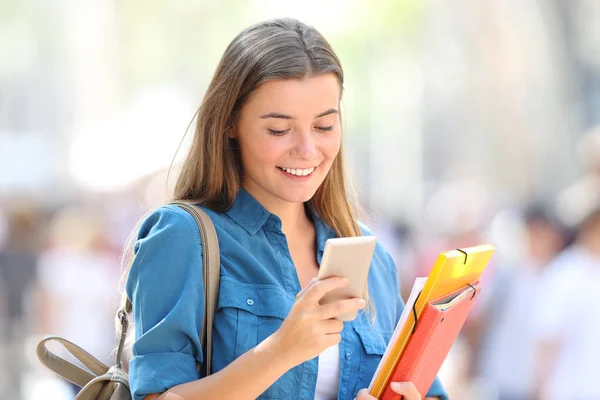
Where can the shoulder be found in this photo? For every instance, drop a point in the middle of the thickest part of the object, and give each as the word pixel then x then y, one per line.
pixel 167 219
pixel 561 268
pixel 566 272
pixel 171 219
pixel 380 250
pixel 364 229
pixel 168 250
pixel 384 285
pixel 169 236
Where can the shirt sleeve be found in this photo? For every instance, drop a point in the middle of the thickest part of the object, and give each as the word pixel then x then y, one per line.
pixel 437 390
pixel 166 288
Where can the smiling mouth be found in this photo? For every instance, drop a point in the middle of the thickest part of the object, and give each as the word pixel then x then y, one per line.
pixel 298 171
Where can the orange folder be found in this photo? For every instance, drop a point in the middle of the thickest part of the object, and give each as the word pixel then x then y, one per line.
pixel 428 347
pixel 452 271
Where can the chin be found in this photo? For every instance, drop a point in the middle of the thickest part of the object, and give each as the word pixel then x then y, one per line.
pixel 297 196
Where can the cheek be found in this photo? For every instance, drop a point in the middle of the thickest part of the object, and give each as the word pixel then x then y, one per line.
pixel 331 145
pixel 260 151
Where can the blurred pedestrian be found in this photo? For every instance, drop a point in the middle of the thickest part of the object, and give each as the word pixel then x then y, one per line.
pixel 18 261
pixel 568 321
pixel 504 356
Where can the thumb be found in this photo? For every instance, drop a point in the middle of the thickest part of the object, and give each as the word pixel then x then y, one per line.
pixel 397 387
pixel 363 394
pixel 407 389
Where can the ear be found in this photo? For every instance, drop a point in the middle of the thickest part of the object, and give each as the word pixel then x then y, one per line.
pixel 231 132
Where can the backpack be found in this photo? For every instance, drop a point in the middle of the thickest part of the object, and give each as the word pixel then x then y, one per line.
pixel 102 382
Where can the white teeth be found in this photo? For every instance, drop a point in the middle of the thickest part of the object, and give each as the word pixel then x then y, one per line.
pixel 299 172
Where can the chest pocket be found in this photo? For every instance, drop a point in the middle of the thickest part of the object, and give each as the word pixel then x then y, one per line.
pixel 374 342
pixel 256 311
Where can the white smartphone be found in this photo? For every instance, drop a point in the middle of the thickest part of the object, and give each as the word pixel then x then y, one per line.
pixel 349 258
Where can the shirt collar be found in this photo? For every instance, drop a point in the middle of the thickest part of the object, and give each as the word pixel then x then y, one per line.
pixel 323 232
pixel 247 212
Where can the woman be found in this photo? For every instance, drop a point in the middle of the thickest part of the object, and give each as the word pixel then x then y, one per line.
pixel 266 165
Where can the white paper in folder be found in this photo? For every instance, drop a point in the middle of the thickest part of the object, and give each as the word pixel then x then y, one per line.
pixel 412 298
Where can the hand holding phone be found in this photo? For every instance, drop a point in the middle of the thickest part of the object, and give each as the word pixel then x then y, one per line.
pixel 349 258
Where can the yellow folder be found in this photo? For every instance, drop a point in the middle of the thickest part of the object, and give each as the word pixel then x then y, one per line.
pixel 452 270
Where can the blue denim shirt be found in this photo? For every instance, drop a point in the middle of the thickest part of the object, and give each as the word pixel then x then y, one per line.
pixel 258 287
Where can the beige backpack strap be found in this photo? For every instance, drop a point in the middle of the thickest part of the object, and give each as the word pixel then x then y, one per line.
pixel 67 370
pixel 212 270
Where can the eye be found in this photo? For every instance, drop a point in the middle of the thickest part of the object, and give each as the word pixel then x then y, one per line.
pixel 324 128
pixel 278 133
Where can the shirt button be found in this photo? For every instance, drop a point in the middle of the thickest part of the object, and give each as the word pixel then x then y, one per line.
pixel 348 355
pixel 250 302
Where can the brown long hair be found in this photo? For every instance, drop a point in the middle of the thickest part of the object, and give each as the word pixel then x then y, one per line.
pixel 212 172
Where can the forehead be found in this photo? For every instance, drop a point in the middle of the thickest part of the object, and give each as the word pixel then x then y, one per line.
pixel 296 96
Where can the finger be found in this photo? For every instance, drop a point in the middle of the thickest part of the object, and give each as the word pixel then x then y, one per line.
pixel 308 285
pixel 407 389
pixel 339 307
pixel 322 287
pixel 363 394
pixel 331 326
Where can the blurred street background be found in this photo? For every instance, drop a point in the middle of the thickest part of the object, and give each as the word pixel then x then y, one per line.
pixel 466 122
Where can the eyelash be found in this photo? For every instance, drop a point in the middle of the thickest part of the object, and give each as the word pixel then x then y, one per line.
pixel 277 133
pixel 324 128
pixel 281 133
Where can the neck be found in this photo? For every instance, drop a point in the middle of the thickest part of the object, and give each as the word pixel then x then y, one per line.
pixel 294 220
pixel 293 215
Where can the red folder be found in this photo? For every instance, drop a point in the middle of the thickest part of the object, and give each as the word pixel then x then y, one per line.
pixel 434 335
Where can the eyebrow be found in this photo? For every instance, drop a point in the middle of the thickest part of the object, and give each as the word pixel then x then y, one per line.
pixel 283 116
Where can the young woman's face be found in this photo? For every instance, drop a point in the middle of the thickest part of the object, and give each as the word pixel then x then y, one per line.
pixel 289 134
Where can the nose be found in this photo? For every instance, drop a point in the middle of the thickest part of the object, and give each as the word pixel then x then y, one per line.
pixel 304 146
